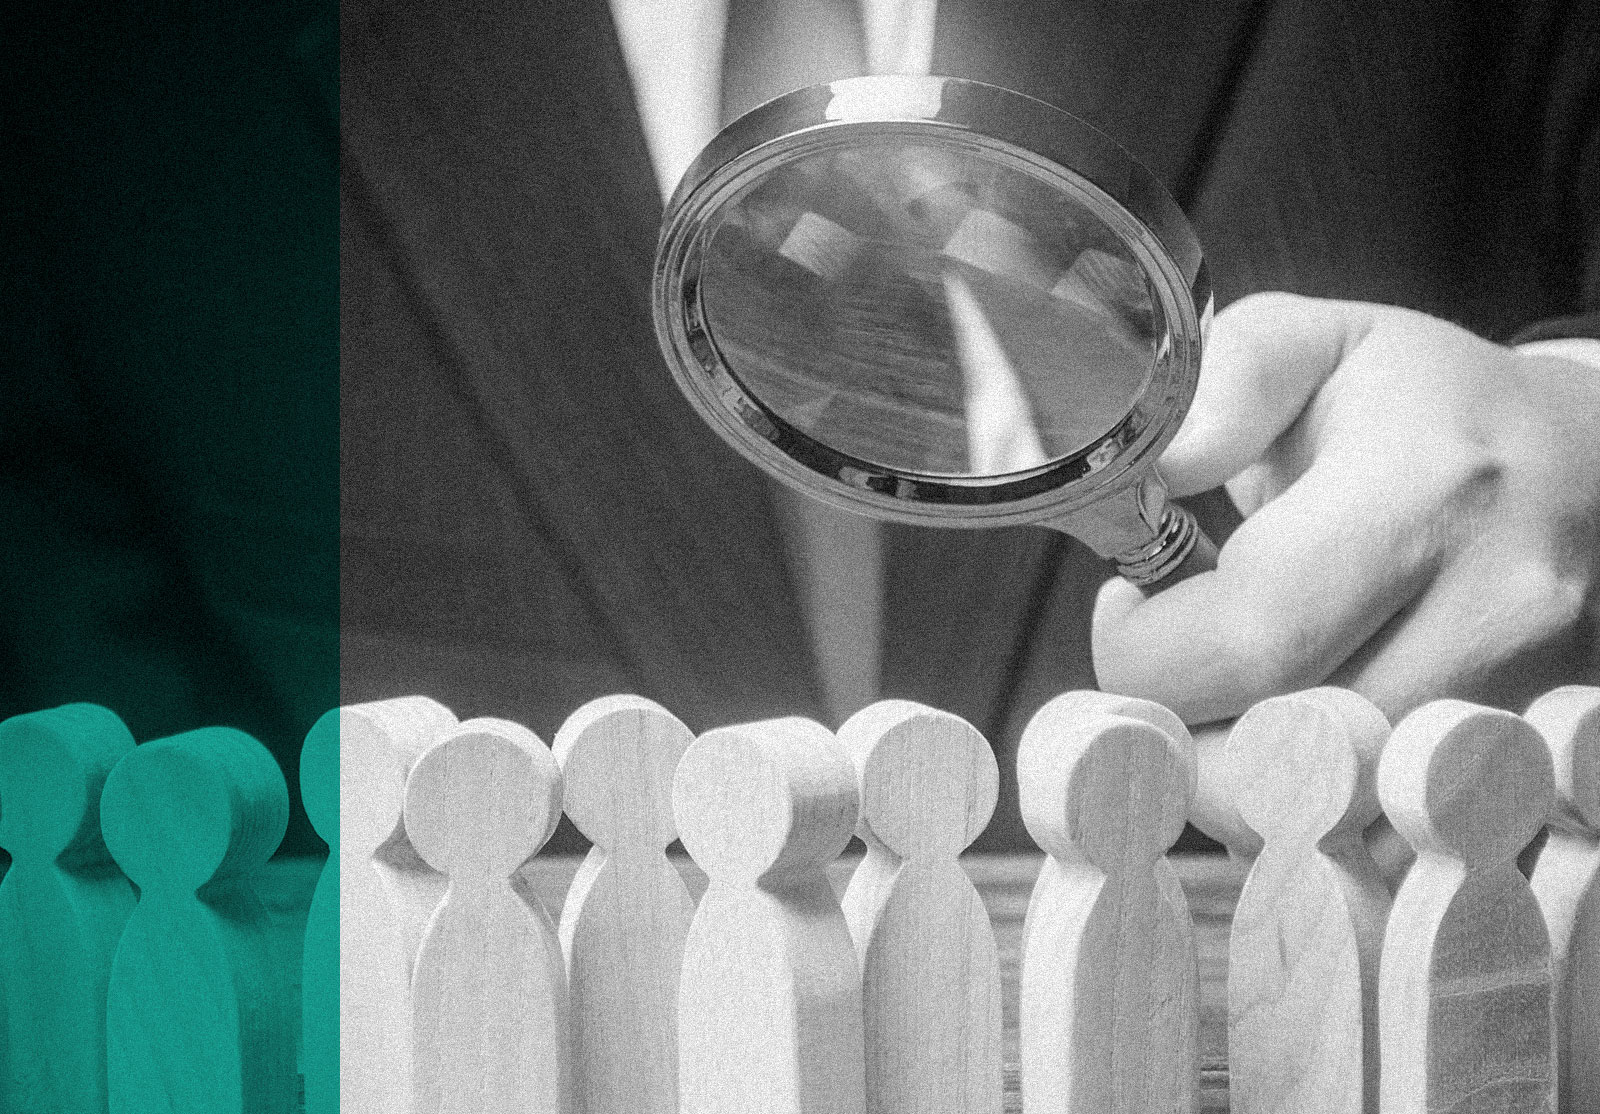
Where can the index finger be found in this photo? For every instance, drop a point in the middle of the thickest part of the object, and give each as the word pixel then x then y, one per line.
pixel 1299 587
pixel 1265 357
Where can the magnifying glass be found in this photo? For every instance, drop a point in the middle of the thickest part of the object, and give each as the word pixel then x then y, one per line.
pixel 940 302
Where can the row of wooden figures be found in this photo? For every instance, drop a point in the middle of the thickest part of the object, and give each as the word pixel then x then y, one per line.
pixel 434 981
pixel 770 996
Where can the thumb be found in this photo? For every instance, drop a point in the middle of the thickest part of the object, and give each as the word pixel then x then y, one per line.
pixel 1265 357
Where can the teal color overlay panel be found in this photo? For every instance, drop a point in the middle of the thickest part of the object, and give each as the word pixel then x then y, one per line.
pixel 169 506
pixel 169 366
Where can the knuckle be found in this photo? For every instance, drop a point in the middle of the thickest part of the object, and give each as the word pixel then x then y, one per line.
pixel 1468 480
pixel 1534 603
pixel 1561 603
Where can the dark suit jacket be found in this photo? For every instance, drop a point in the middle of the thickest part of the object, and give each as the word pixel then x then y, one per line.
pixel 531 515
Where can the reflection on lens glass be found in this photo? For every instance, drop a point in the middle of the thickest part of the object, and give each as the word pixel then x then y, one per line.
pixel 928 310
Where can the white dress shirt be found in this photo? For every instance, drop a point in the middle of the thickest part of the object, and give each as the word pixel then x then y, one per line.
pixel 674 53
pixel 673 50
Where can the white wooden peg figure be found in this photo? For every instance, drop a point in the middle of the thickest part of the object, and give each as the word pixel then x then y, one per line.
pixel 769 1005
pixel 489 1001
pixel 1566 883
pixel 1108 1009
pixel 1308 927
pixel 1089 702
pixel 1465 997
pixel 385 894
pixel 929 968
pixel 628 911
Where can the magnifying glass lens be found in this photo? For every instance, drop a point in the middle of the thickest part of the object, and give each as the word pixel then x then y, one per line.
pixel 944 303
pixel 928 309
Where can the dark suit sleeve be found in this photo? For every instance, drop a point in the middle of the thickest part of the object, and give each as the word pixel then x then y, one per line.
pixel 1557 52
pixel 1561 328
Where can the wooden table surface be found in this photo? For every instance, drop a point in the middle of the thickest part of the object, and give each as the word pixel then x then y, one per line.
pixel 1004 881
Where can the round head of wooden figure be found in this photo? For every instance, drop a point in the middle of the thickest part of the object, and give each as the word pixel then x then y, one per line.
pixel 1569 720
pixel 483 800
pixel 928 779
pixel 1093 701
pixel 618 755
pixel 194 808
pixel 1101 788
pixel 53 765
pixel 765 802
pixel 319 776
pixel 1303 765
pixel 1465 781
pixel 376 745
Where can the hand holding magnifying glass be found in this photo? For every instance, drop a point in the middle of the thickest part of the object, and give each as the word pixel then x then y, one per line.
pixel 939 302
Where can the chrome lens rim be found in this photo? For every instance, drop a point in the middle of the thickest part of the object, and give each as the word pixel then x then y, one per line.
pixel 1001 126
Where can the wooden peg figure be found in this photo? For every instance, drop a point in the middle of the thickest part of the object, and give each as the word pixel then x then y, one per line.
pixel 489 999
pixel 1089 702
pixel 200 1013
pixel 372 901
pixel 1308 927
pixel 1566 883
pixel 1108 1010
pixel 63 905
pixel 769 1005
pixel 929 968
pixel 628 911
pixel 1464 985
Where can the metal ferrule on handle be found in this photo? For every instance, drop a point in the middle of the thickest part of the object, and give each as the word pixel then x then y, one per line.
pixel 1154 561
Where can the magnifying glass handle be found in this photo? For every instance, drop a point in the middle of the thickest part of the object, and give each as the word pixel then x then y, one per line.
pixel 1154 542
pixel 1178 551
pixel 1202 558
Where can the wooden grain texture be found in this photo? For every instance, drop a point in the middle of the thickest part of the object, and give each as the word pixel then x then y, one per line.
pixel 1108 997
pixel 200 1008
pixel 382 895
pixel 1464 988
pixel 1308 927
pixel 1210 882
pixel 769 1006
pixel 929 968
pixel 489 997
pixel 1566 883
pixel 63 905
pixel 623 923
